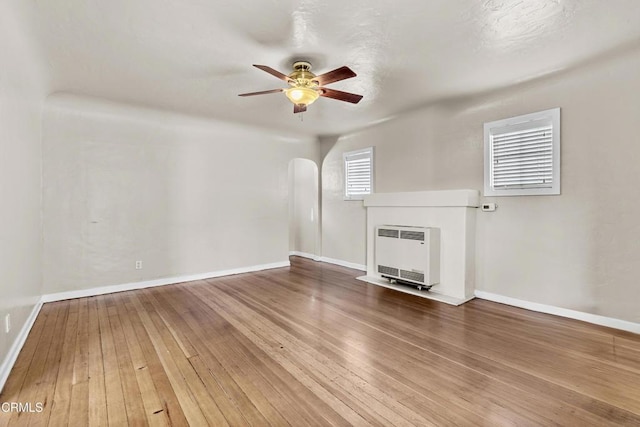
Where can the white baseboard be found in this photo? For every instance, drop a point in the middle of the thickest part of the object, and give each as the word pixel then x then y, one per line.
pixel 347 264
pixel 563 312
pixel 14 351
pixel 305 255
pixel 60 296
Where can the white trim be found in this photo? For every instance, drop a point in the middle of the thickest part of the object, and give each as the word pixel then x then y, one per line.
pixel 525 122
pixel 563 312
pixel 158 282
pixel 305 255
pixel 364 153
pixel 14 351
pixel 347 264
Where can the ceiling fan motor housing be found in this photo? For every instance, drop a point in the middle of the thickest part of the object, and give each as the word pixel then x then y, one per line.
pixel 302 75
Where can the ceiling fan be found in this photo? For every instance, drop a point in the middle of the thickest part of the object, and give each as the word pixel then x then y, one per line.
pixel 306 87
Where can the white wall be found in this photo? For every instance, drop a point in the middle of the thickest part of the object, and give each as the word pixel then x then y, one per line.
pixel 185 196
pixel 343 221
pixel 303 200
pixel 22 89
pixel 578 250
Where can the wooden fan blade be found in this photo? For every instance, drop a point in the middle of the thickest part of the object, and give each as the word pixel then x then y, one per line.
pixel 336 75
pixel 264 92
pixel 299 108
pixel 339 95
pixel 273 72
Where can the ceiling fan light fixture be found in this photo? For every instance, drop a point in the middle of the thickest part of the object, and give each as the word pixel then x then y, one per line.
pixel 302 95
pixel 306 87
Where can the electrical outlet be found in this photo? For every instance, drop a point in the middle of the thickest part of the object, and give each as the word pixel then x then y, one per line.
pixel 138 265
pixel 7 323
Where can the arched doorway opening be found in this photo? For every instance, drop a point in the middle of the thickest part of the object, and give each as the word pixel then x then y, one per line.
pixel 304 215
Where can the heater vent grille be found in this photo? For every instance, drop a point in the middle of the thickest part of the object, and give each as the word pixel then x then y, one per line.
pixel 382 269
pixel 412 275
pixel 385 232
pixel 412 235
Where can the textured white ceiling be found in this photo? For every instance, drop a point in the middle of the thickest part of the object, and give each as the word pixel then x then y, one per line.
pixel 195 56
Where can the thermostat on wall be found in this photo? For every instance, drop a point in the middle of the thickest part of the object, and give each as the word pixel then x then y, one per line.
pixel 489 207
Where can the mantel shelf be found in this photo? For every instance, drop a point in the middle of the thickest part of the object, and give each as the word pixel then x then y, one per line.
pixel 444 198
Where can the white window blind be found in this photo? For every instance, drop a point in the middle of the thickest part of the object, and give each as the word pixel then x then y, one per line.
pixel 358 173
pixel 522 155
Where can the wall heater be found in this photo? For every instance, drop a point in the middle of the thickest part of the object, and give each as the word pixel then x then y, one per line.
pixel 409 255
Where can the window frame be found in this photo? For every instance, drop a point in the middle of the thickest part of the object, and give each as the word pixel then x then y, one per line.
pixel 356 153
pixel 526 121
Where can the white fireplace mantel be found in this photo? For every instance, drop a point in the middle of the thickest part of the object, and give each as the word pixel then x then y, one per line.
pixel 454 213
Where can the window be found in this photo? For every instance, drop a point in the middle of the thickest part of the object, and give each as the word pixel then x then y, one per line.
pixel 358 174
pixel 522 155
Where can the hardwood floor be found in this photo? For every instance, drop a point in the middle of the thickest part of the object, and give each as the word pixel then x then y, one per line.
pixel 311 345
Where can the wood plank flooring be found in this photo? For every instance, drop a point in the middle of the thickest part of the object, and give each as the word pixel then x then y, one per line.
pixel 310 345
